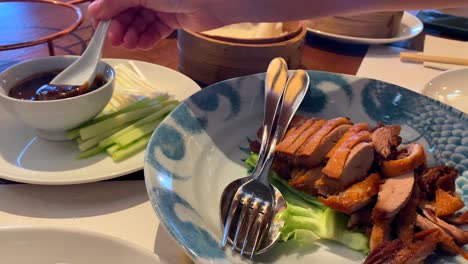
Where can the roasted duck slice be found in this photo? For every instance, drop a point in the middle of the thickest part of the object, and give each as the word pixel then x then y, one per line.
pixel 380 232
pixel 393 195
pixel 290 150
pixel 406 219
pixel 410 157
pixel 398 252
pixel 386 139
pixel 448 243
pixel 446 203
pixel 297 121
pixel 438 177
pixel 356 128
pixel 314 149
pixel 304 180
pixel 460 236
pixel 336 163
pixel 355 197
pixel 384 252
pixel 416 252
pixel 356 168
pixel 457 219
pixel 293 134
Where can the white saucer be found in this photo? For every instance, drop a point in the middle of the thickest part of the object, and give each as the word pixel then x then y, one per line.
pixel 41 245
pixel 450 88
pixel 29 159
pixel 411 26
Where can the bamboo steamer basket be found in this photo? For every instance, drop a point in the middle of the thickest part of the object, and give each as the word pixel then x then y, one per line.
pixel 208 60
pixel 367 25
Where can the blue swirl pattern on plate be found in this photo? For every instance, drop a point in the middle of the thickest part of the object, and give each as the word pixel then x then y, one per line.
pixel 196 151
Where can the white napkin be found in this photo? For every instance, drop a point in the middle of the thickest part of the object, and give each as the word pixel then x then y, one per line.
pixel 444 47
pixel 383 63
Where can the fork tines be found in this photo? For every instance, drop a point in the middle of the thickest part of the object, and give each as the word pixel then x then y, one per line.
pixel 253 222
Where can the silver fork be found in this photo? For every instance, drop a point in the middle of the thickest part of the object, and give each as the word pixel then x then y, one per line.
pixel 275 82
pixel 256 198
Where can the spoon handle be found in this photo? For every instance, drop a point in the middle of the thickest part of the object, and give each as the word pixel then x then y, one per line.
pixel 275 81
pixel 94 49
pixel 84 68
pixel 296 88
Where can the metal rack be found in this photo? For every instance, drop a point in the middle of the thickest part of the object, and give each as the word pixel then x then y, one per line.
pixel 49 38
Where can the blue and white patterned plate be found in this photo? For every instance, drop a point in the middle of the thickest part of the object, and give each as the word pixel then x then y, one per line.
pixel 201 146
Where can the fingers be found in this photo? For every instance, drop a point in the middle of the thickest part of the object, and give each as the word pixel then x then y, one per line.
pixel 107 9
pixel 119 26
pixel 154 33
pixel 139 28
pixel 150 35
pixel 133 26
pixel 133 32
pixel 149 38
pixel 170 20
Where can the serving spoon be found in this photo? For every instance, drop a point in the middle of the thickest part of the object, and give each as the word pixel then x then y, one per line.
pixel 77 77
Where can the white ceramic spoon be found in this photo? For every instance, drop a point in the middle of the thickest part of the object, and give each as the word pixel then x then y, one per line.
pixel 83 70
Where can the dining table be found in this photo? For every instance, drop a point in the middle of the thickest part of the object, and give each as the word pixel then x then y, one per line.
pixel 120 207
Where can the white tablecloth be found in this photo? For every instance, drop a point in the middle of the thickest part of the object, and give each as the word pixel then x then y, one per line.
pixel 121 208
pixel 383 63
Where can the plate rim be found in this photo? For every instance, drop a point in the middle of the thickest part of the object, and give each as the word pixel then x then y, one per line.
pixel 85 232
pixel 19 175
pixel 147 166
pixel 427 85
pixel 357 40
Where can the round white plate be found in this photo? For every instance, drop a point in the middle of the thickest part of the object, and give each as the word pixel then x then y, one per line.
pixel 450 88
pixel 45 245
pixel 411 26
pixel 29 159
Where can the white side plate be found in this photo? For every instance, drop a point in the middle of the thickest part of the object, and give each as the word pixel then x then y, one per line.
pixel 411 26
pixel 45 245
pixel 29 159
pixel 450 88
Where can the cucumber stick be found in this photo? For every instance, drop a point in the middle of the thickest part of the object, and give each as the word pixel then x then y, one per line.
pixel 123 133
pixel 90 152
pixel 136 133
pixel 116 121
pixel 131 149
pixel 75 133
pixel 89 143
pixel 150 118
pixel 112 149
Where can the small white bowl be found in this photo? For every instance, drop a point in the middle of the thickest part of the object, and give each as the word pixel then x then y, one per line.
pixel 53 118
pixel 450 87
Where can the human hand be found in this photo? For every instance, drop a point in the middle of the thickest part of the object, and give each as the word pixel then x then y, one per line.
pixel 142 23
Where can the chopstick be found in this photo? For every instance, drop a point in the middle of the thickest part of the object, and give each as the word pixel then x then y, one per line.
pixel 421 57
